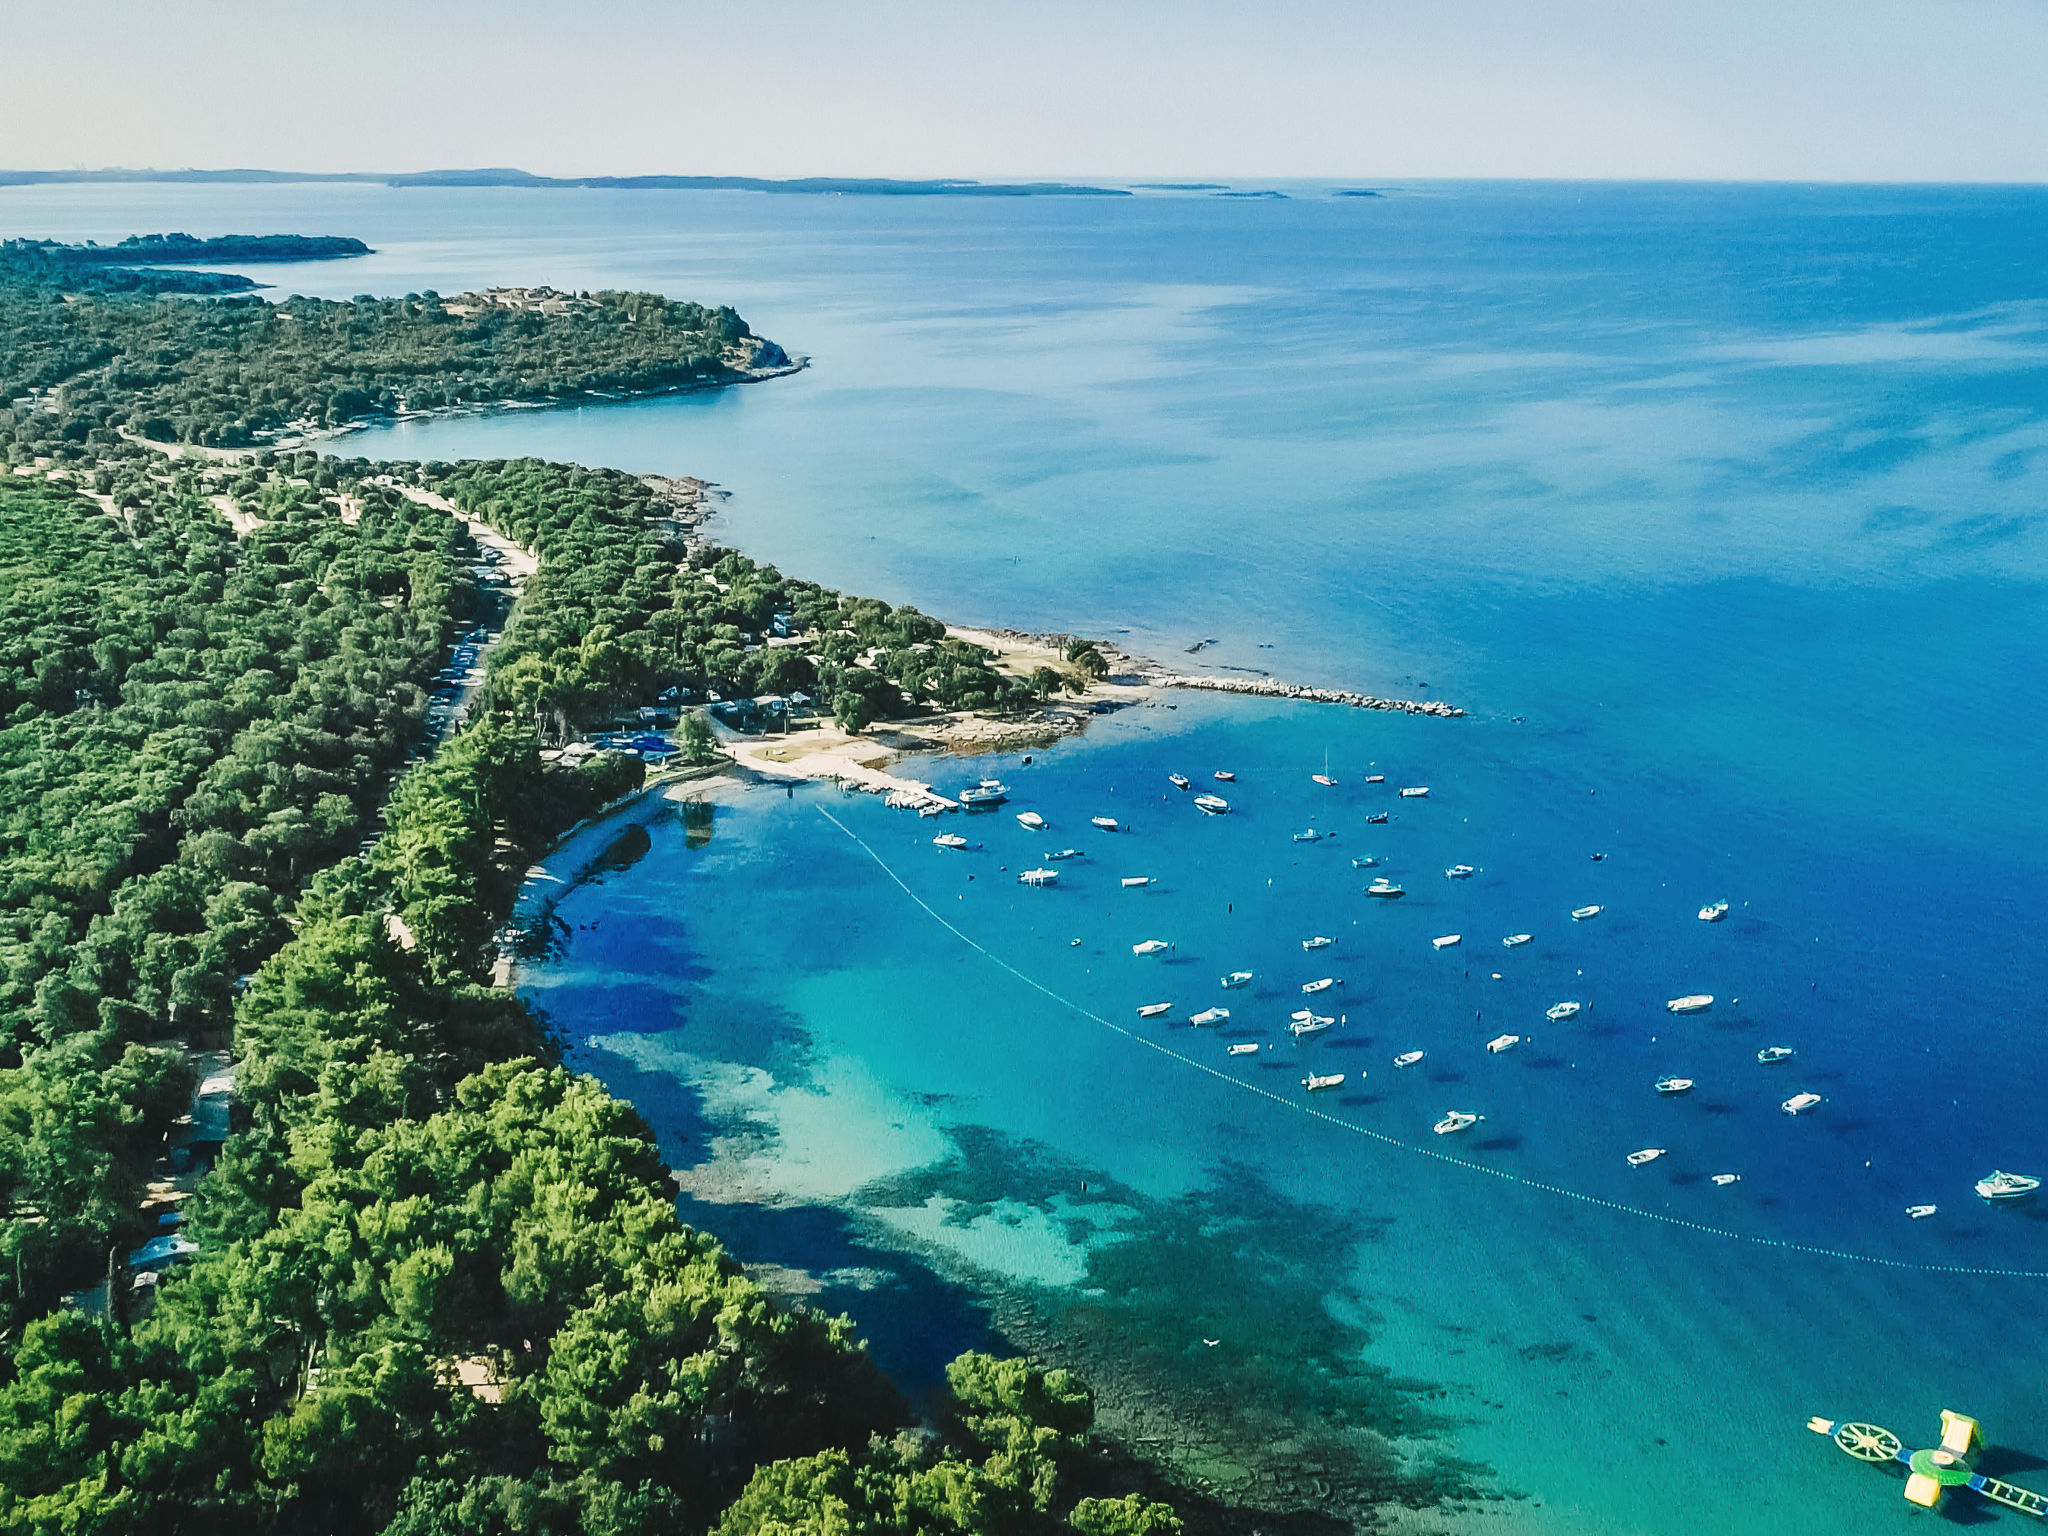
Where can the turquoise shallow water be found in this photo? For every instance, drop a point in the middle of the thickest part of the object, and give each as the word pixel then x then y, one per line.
pixel 1732 495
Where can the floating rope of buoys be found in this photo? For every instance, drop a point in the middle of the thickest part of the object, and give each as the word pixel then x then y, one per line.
pixel 1523 1181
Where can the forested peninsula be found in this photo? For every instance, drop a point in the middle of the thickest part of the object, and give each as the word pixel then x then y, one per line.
pixel 430 1282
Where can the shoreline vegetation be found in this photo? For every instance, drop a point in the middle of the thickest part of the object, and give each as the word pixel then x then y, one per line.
pixel 285 734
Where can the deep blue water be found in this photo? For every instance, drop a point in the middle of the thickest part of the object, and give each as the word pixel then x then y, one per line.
pixel 1733 495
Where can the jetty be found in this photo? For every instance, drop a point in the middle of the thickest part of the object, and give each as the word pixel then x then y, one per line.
pixel 1273 688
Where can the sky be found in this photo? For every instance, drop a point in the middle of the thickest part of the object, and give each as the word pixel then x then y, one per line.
pixel 1880 90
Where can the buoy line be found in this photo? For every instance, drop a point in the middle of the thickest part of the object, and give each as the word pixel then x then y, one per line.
pixel 1521 1180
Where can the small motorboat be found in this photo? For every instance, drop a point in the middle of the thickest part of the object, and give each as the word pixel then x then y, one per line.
pixel 1713 912
pixel 1320 984
pixel 1365 863
pixel 1376 819
pixel 1596 857
pixel 1697 1002
pixel 1150 947
pixel 1375 778
pixel 1457 1120
pixel 1305 1023
pixel 1416 792
pixel 1310 836
pixel 1315 1083
pixel 1320 941
pixel 1153 1010
pixel 1324 779
pixel 1210 1016
pixel 1386 888
pixel 1178 780
pixel 1674 1085
pixel 1447 941
pixel 1409 1058
pixel 1580 914
pixel 1107 823
pixel 1031 821
pixel 1238 979
pixel 1245 1048
pixel 1647 1155
pixel 1921 1212
pixel 1064 853
pixel 1132 882
pixel 1557 1013
pixel 1212 805
pixel 1723 1180
pixel 1516 940
pixel 950 840
pixel 1500 1043
pixel 988 792
pixel 1223 777
pixel 1039 877
pixel 1800 1103
pixel 1460 872
pixel 1774 1053
pixel 1999 1185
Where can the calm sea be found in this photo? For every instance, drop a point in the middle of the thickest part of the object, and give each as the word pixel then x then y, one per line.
pixel 1721 510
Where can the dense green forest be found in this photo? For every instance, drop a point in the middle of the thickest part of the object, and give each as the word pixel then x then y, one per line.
pixel 440 1285
pixel 91 348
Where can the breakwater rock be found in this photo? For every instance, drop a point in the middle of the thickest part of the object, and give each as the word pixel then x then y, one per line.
pixel 1273 688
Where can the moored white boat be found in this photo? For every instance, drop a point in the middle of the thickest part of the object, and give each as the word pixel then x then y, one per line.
pixel 1647 1155
pixel 1039 877
pixel 1500 1043
pixel 1386 889
pixel 1306 1023
pixel 1212 805
pixel 950 840
pixel 1178 780
pixel 1725 1179
pixel 1800 1103
pixel 1365 862
pixel 1461 872
pixel 1447 941
pixel 1377 818
pixel 1674 1085
pixel 1210 1016
pixel 1131 882
pixel 1713 912
pixel 1580 914
pixel 1107 823
pixel 1238 979
pixel 1319 941
pixel 1774 1053
pixel 1557 1013
pixel 1223 776
pixel 1064 853
pixel 1310 836
pixel 1153 1010
pixel 1457 1120
pixel 987 792
pixel 1320 984
pixel 1244 1048
pixel 1516 940
pixel 1921 1212
pixel 2000 1185
pixel 1416 792
pixel 1375 778
pixel 1031 821
pixel 1315 1083
pixel 1409 1058
pixel 1324 779
pixel 1150 946
pixel 1697 1002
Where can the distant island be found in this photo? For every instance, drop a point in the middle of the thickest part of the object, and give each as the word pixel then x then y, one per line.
pixel 1356 192
pixel 506 176
pixel 1180 186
